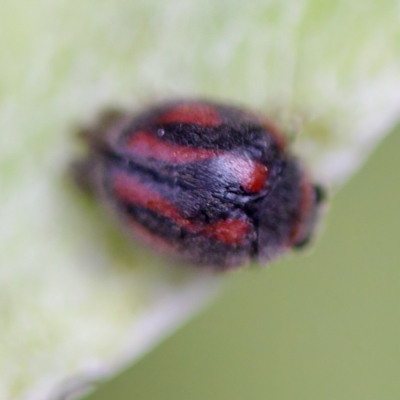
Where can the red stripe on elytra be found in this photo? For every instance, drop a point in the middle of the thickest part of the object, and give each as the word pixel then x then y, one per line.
pixel 252 175
pixel 200 114
pixel 147 145
pixel 305 207
pixel 230 231
pixel 129 189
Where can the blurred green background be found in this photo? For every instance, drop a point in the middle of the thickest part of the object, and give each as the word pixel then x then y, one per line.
pixel 319 326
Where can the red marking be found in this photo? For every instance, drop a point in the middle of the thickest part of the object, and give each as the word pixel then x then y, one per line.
pixel 148 145
pixel 230 231
pixel 255 180
pixel 130 189
pixel 192 113
pixel 305 208
pixel 276 133
pixel 252 175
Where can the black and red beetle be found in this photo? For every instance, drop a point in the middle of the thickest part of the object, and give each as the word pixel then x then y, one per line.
pixel 209 182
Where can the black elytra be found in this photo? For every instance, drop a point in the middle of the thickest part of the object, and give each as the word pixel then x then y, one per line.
pixel 207 182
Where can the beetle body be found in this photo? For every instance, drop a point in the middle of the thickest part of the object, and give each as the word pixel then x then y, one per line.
pixel 211 183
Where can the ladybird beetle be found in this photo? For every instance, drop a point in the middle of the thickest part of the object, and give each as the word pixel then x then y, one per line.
pixel 209 182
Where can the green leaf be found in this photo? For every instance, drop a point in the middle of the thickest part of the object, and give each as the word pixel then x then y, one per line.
pixel 77 302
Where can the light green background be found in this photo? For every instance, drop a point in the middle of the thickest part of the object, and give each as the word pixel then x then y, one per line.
pixel 320 326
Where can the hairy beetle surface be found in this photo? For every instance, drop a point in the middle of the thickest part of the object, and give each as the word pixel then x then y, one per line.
pixel 211 183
